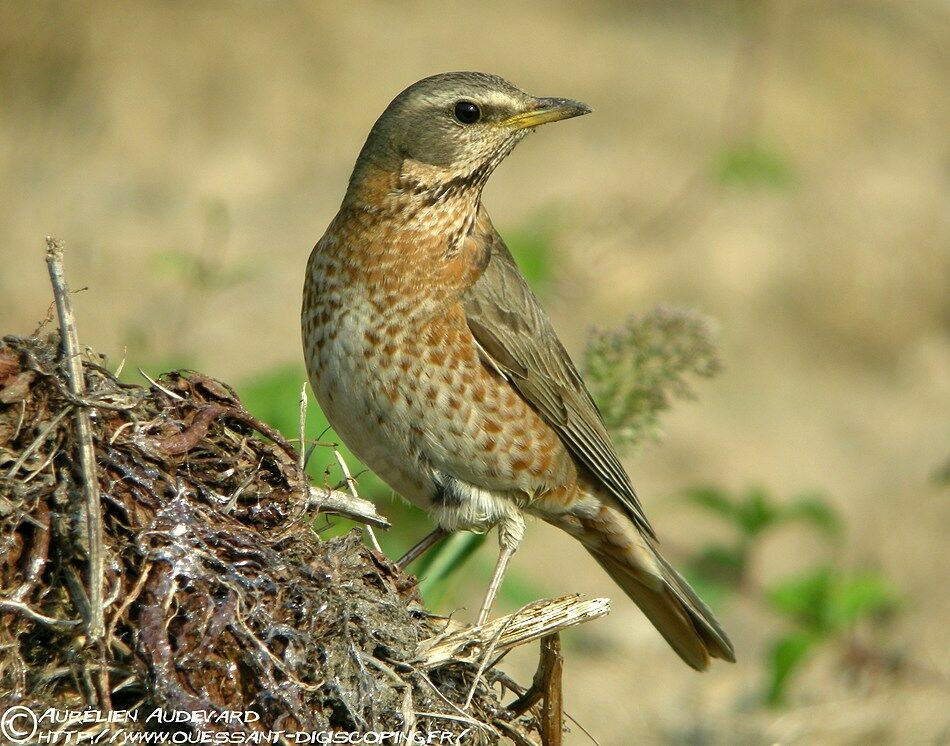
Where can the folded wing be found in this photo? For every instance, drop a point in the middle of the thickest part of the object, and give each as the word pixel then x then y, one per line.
pixel 516 336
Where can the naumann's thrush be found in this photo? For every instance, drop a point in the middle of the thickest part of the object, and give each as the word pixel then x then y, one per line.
pixel 438 368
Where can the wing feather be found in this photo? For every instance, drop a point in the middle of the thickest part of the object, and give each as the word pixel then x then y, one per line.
pixel 510 326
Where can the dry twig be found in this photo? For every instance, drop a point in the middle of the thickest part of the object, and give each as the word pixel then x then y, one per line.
pixel 339 503
pixel 534 621
pixel 84 441
pixel 351 484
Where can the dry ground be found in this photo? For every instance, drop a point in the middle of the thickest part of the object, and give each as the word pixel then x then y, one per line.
pixel 220 132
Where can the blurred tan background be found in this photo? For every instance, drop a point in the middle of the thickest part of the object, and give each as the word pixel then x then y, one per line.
pixel 190 154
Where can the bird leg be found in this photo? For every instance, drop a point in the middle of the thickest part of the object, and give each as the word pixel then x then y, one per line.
pixel 510 534
pixel 428 541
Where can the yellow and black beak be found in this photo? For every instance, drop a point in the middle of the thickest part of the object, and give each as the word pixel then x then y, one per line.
pixel 547 110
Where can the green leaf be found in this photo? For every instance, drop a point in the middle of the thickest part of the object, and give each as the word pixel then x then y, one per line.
pixel 755 512
pixel 174 262
pixel 865 595
pixel 712 499
pixel 941 475
pixel 720 564
pixel 273 395
pixel 715 572
pixel 517 590
pixel 804 598
pixel 814 509
pixel 443 561
pixel 531 244
pixel 748 165
pixel 787 655
pixel 828 602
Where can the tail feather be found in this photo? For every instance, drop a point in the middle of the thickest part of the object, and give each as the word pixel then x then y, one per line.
pixel 715 637
pixel 674 609
pixel 662 594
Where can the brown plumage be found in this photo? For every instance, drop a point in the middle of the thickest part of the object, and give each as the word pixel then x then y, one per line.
pixel 438 368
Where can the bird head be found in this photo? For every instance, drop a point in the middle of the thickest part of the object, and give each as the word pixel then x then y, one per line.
pixel 456 128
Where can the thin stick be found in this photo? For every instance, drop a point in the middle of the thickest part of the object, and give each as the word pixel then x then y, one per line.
pixel 428 541
pixel 157 385
pixel 351 483
pixel 552 710
pixel 302 447
pixel 302 432
pixel 40 439
pixel 87 455
pixel 339 503
pixel 118 371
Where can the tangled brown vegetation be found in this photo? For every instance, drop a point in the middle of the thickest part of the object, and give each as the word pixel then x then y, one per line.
pixel 217 594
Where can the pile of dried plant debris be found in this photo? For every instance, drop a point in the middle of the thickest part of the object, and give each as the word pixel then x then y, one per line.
pixel 156 552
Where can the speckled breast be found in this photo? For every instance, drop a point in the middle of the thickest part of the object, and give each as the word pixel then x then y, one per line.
pixel 400 378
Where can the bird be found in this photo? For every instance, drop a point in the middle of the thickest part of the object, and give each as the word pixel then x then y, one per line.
pixel 437 367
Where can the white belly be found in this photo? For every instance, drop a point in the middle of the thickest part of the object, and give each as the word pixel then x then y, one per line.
pixel 348 389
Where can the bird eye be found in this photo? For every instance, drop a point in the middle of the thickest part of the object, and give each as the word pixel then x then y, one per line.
pixel 467 112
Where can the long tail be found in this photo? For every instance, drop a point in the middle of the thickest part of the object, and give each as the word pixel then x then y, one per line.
pixel 661 593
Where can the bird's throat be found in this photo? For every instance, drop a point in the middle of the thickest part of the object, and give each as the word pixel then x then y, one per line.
pixel 404 231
